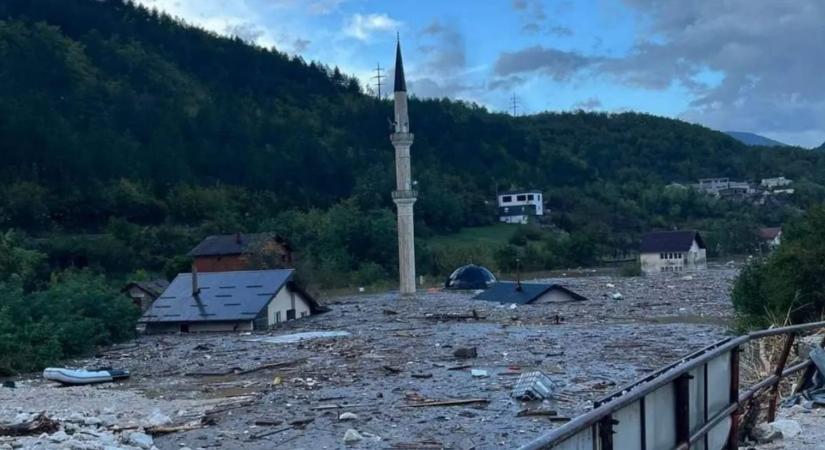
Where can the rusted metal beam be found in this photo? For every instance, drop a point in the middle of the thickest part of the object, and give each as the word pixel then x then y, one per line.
pixel 606 432
pixel 780 367
pixel 733 397
pixel 639 389
pixel 681 407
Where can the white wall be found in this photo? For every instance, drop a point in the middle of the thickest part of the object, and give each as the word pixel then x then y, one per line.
pixel 285 300
pixel 693 259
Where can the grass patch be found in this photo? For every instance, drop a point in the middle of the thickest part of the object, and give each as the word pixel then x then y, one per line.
pixel 498 234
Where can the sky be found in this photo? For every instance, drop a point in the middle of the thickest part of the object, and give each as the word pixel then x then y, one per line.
pixel 732 65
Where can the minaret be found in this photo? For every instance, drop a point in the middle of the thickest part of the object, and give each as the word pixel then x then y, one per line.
pixel 404 196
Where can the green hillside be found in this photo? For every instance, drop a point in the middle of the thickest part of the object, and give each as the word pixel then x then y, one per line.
pixel 128 136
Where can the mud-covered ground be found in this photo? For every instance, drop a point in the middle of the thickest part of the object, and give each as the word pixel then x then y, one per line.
pixel 400 353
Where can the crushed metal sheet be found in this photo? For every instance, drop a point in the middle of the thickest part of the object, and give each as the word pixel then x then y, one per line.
pixel 298 337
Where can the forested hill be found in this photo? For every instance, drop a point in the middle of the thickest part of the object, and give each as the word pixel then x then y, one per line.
pixel 118 121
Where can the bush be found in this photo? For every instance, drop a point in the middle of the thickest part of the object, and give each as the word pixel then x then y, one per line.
pixel 76 313
pixel 789 283
pixel 631 269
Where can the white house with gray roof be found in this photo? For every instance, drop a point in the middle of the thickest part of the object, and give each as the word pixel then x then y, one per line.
pixel 229 301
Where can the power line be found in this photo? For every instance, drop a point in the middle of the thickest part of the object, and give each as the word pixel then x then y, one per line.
pixel 514 105
pixel 378 76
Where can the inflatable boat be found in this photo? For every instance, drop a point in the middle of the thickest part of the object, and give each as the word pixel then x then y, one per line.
pixel 80 376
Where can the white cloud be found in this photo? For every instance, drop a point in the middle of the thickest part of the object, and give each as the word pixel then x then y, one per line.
pixel 361 27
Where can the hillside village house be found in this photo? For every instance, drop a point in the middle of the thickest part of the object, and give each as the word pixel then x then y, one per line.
pixel 229 301
pixel 233 251
pixel 519 207
pixel 143 293
pixel 771 237
pixel 672 251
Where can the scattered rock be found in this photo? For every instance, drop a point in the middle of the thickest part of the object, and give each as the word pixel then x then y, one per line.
pixel 466 352
pixel 352 436
pixel 157 419
pixel 348 416
pixel 479 373
pixel 765 433
pixel 617 296
pixel 141 440
pixel 788 428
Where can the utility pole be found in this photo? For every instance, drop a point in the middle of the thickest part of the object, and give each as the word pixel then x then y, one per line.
pixel 378 76
pixel 514 105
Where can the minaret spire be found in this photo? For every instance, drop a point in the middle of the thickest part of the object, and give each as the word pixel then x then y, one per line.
pixel 404 196
pixel 400 84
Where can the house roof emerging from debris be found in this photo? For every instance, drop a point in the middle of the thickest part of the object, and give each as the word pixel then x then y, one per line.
pixel 508 292
pixel 222 296
pixel 229 244
pixel 769 234
pixel 670 241
pixel 151 287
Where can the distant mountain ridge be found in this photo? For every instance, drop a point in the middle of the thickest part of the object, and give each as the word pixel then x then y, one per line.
pixel 754 139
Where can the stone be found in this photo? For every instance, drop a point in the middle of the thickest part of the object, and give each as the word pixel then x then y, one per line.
pixel 157 419
pixel 348 416
pixel 479 373
pixel 352 436
pixel 765 434
pixel 466 352
pixel 59 436
pixel 141 440
pixel 788 428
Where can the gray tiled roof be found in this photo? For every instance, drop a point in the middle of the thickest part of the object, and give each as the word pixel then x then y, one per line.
pixel 224 296
pixel 507 292
pixel 229 244
pixel 670 241
pixel 152 287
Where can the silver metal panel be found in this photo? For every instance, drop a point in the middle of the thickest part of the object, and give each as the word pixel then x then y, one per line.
pixel 696 390
pixel 584 440
pixel 718 398
pixel 660 419
pixel 718 436
pixel 718 383
pixel 628 432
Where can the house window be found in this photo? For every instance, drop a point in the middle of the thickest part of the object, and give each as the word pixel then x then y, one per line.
pixel 304 314
pixel 530 197
pixel 277 317
pixel 521 198
pixel 507 199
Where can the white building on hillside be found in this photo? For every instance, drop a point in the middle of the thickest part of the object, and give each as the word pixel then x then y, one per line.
pixel 518 207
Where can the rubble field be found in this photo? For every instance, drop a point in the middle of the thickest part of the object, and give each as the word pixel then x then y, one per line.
pixel 405 376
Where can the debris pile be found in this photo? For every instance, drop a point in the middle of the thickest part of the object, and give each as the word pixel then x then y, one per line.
pixel 432 371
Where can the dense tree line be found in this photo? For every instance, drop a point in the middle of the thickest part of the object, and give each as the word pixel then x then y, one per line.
pixel 787 286
pixel 127 136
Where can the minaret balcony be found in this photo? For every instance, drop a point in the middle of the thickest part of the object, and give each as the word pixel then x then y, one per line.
pixel 404 195
pixel 402 138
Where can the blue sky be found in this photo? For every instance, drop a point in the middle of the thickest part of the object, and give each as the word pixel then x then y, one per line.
pixel 744 65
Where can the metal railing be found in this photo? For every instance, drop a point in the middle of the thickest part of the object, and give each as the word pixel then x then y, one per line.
pixel 693 403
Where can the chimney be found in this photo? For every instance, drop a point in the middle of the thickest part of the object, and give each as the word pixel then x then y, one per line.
pixel 195 289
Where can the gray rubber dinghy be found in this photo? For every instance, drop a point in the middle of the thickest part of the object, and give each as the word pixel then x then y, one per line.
pixel 82 376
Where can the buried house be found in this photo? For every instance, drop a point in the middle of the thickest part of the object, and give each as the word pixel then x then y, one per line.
pixel 143 293
pixel 528 293
pixel 672 251
pixel 239 251
pixel 229 301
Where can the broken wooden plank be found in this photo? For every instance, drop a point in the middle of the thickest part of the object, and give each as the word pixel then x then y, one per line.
pixel 38 425
pixel 268 433
pixel 537 412
pixel 449 402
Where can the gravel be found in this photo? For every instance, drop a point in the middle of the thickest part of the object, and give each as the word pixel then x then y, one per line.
pixel 593 347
